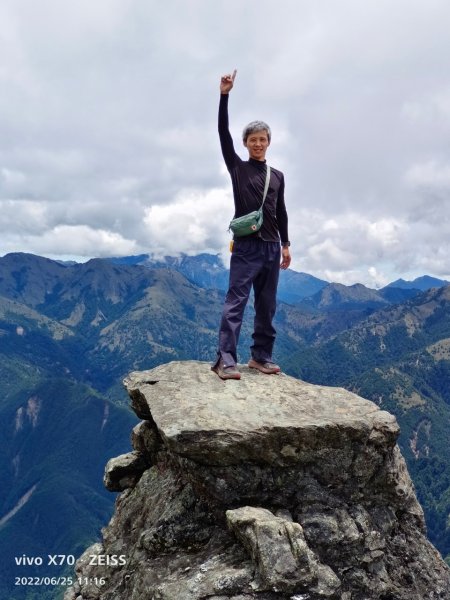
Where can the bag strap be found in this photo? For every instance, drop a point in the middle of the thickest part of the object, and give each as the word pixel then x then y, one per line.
pixel 266 185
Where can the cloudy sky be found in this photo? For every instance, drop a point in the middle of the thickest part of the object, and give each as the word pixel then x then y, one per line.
pixel 108 136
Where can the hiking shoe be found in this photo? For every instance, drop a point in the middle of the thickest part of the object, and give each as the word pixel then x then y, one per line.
pixel 267 367
pixel 223 372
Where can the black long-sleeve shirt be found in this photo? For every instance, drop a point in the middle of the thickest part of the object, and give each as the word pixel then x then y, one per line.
pixel 248 179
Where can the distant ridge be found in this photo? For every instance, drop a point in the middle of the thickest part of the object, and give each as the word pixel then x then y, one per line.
pixel 204 270
pixel 423 283
pixel 208 271
pixel 337 295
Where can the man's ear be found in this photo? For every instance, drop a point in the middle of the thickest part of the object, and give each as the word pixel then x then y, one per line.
pixel 245 143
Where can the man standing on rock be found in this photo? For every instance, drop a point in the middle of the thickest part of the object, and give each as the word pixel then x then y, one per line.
pixel 255 259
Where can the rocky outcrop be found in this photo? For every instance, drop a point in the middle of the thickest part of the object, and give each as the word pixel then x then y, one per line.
pixel 266 488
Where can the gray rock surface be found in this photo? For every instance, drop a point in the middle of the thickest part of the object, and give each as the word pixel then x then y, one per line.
pixel 265 488
pixel 124 471
pixel 280 553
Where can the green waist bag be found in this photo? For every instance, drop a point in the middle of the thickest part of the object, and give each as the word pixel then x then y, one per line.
pixel 247 224
pixel 251 222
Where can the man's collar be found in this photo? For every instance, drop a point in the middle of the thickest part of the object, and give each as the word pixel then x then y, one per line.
pixel 257 163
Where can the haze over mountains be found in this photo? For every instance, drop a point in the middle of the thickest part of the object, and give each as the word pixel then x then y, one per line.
pixel 69 333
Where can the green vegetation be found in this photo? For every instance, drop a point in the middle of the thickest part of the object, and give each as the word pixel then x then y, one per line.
pixel 68 336
pixel 56 434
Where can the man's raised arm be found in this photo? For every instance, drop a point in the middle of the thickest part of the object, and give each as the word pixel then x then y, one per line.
pixel 226 141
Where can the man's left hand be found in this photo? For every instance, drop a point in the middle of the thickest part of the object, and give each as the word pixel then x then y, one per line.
pixel 285 258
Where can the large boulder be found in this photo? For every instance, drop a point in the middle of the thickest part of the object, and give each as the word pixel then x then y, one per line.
pixel 265 488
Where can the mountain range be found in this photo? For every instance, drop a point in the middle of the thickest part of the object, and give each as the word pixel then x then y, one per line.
pixel 208 271
pixel 69 333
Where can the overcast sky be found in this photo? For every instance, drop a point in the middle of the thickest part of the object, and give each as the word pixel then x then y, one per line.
pixel 108 135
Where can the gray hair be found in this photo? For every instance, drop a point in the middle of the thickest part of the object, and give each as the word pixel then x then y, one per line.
pixel 255 126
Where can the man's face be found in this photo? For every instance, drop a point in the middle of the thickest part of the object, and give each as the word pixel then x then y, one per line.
pixel 257 144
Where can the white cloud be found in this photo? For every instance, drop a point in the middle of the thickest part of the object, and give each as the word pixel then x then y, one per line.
pixel 11 180
pixel 195 222
pixel 20 218
pixel 429 174
pixel 431 107
pixel 109 126
pixel 80 241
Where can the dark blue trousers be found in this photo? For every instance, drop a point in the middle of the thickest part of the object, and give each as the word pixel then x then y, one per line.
pixel 256 263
